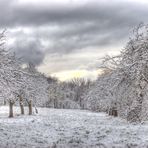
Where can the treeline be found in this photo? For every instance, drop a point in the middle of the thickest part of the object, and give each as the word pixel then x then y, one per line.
pixel 27 87
pixel 122 89
pixel 68 95
pixel 20 86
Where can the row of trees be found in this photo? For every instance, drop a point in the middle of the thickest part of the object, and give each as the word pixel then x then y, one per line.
pixel 120 91
pixel 18 85
pixel 122 87
pixel 28 87
pixel 125 82
pixel 67 94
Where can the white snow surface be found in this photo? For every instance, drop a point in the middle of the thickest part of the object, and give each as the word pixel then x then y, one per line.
pixel 61 128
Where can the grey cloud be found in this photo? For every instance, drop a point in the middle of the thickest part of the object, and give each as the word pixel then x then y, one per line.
pixel 67 62
pixel 29 51
pixel 114 14
pixel 75 27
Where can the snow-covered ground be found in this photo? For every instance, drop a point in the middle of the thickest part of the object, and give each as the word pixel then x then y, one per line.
pixel 57 128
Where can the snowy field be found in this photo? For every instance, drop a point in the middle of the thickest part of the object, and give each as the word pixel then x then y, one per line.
pixel 56 128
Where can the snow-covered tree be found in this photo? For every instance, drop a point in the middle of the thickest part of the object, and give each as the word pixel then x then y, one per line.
pixel 68 94
pixel 10 76
pixel 20 85
pixel 134 68
pixel 99 96
pixel 128 81
pixel 35 89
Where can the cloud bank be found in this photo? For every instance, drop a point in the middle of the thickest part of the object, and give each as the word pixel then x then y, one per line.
pixel 37 30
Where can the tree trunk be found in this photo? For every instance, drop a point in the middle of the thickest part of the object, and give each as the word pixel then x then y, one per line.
pixel 30 107
pixel 113 111
pixel 4 102
pixel 36 110
pixel 21 106
pixel 55 103
pixel 11 109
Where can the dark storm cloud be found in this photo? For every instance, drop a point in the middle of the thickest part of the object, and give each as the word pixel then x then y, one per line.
pixel 113 13
pixel 29 51
pixel 70 26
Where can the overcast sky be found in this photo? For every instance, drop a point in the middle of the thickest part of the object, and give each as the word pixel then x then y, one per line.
pixel 66 38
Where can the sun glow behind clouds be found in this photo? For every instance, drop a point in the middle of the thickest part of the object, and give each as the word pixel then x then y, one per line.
pixel 70 74
pixel 67 37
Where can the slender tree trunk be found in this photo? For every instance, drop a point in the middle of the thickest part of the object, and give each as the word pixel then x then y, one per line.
pixel 55 103
pixel 36 110
pixel 30 107
pixel 4 102
pixel 21 106
pixel 11 109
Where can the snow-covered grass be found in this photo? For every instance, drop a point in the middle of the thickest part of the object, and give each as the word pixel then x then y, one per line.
pixel 57 128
